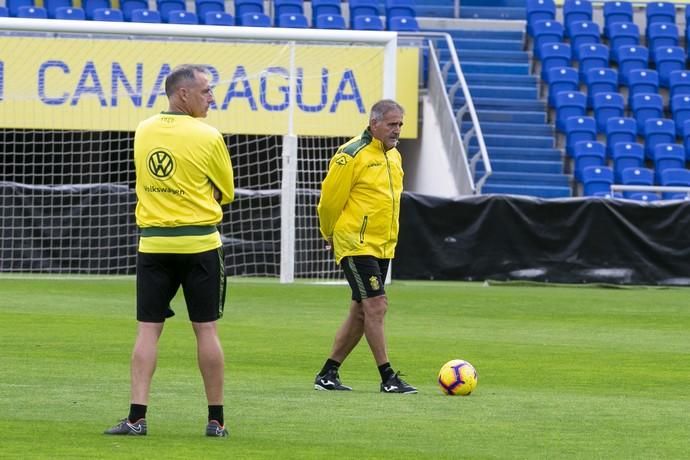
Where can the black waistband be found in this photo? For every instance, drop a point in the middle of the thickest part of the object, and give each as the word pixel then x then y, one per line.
pixel 187 230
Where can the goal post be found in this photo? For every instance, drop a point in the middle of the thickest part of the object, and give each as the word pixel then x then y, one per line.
pixel 72 93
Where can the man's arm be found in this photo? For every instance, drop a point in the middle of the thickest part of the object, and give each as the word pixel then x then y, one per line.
pixel 220 173
pixel 335 191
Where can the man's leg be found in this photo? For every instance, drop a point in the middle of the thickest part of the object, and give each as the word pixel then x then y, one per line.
pixel 349 333
pixel 374 314
pixel 211 361
pixel 144 358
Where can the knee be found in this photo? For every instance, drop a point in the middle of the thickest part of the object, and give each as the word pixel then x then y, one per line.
pixel 376 307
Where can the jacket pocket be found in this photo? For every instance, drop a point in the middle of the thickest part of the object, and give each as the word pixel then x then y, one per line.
pixel 363 229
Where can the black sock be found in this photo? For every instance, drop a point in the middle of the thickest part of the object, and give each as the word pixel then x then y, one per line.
pixel 216 413
pixel 386 371
pixel 330 364
pixel 136 411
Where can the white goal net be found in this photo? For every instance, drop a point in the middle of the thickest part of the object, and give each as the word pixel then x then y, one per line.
pixel 72 93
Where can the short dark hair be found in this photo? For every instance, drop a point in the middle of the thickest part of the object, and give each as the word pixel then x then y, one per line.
pixel 184 72
pixel 382 107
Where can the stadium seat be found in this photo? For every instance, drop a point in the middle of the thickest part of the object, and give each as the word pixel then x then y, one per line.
pixel 165 7
pixel 667 156
pixel 366 22
pixel 14 5
pixel 4 12
pixel 675 177
pixel 52 5
pixel 363 8
pixel 561 79
pixel 619 11
pixel 108 14
pixel 636 175
pixel 622 34
pixel 660 12
pixel 686 139
pixel 587 153
pixel 607 105
pixel 679 83
pixel 127 6
pixel 243 7
pixel 657 131
pixel 629 58
pixel 576 10
pixel 554 55
pixel 569 104
pixel 401 8
pixel 669 59
pixel 403 24
pixel 592 56
pixel 578 129
pixel 623 129
pixel 182 17
pixel 642 81
pixel 281 7
pixel 583 33
pixel 293 21
pixel 680 111
pixel 539 10
pixel 596 179
pixel 626 155
pixel 330 21
pixel 660 35
pixel 90 5
pixel 644 196
pixel 203 7
pixel 147 16
pixel 255 20
pixel 219 18
pixel 546 32
pixel 600 80
pixel 32 12
pixel 70 13
pixel 321 7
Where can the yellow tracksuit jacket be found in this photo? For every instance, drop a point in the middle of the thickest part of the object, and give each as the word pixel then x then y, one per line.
pixel 360 199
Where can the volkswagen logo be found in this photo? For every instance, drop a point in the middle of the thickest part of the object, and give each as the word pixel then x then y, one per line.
pixel 160 164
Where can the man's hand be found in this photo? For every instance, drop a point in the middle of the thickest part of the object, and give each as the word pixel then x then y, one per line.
pixel 216 194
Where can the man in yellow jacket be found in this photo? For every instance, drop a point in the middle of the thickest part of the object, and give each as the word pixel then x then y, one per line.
pixel 358 215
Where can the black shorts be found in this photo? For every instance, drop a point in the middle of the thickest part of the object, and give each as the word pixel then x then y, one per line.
pixel 366 275
pixel 201 275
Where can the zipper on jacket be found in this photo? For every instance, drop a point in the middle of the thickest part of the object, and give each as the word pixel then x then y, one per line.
pixel 390 184
pixel 363 229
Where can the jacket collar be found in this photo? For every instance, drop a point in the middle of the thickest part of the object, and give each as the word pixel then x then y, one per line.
pixel 370 139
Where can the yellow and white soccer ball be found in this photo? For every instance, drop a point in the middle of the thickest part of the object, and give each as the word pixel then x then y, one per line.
pixel 457 377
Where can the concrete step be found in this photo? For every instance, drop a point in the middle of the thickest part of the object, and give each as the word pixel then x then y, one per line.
pixel 522 81
pixel 510 105
pixel 501 116
pixel 527 178
pixel 519 129
pixel 525 154
pixel 504 92
pixel 523 166
pixel 540 191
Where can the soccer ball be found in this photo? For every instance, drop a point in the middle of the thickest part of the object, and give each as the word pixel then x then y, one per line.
pixel 457 377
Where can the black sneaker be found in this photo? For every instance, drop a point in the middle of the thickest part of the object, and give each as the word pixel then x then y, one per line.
pixel 330 381
pixel 216 430
pixel 125 427
pixel 397 385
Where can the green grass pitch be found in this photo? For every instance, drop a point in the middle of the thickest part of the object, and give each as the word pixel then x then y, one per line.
pixel 564 372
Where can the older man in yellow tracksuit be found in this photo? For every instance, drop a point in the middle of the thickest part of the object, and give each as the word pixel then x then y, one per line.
pixel 358 215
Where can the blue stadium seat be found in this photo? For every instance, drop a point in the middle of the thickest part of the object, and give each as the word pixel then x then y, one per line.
pixel 679 83
pixel 660 35
pixel 70 13
pixel 583 33
pixel 660 12
pixel 554 55
pixel 4 12
pixel 686 139
pixel 680 111
pixel 642 81
pixel 546 32
pixel 669 59
pixel 657 131
pixel 281 7
pixel 561 79
pixel 32 12
pixel 578 129
pixel 592 56
pixel 243 7
pixel 146 16
pixel 675 177
pixel 319 7
pixel 600 80
pixel 569 104
pixel 402 8
pixel 403 24
pixel 667 156
pixel 576 10
pixel 626 155
pixel 165 7
pixel 539 10
pixel 623 129
pixel 14 5
pixel 219 18
pixel 587 153
pixel 622 34
pixel 330 21
pixel 363 7
pixel 127 6
pixel 644 196
pixel 203 7
pixel 293 21
pixel 182 17
pixel 596 179
pixel 255 20
pixel 629 58
pixel 367 22
pixel 52 5
pixel 607 105
pixel 90 6
pixel 108 14
pixel 619 11
pixel 636 175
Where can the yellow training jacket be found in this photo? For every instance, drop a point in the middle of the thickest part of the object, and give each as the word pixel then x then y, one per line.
pixel 360 199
